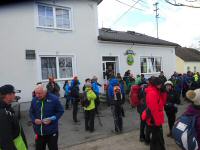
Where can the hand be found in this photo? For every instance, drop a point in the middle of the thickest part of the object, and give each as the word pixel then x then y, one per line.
pixel 38 122
pixel 46 121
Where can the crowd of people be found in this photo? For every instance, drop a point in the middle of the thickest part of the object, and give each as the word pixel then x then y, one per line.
pixel 152 97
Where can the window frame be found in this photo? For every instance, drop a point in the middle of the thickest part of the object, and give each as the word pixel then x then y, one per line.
pixel 69 8
pixel 141 57
pixel 57 66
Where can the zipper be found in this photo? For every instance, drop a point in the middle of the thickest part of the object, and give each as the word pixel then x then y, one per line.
pixel 41 117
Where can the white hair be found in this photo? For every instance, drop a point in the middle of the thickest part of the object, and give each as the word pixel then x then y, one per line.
pixel 40 87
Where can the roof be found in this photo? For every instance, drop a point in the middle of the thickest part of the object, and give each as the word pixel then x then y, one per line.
pixel 106 34
pixel 188 54
pixel 2 2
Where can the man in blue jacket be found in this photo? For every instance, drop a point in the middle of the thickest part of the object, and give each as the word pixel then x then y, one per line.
pixel 45 111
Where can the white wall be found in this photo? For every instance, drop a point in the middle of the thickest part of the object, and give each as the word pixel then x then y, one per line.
pixel 18 33
pixel 192 65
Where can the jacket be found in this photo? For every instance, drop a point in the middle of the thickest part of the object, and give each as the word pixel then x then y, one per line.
pixel 50 107
pixel 9 127
pixel 194 110
pixel 113 82
pixel 95 87
pixel 53 89
pixel 172 100
pixel 91 96
pixel 155 101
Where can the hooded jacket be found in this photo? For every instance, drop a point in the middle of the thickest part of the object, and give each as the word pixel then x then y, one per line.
pixel 9 127
pixel 155 101
pixel 42 109
pixel 195 110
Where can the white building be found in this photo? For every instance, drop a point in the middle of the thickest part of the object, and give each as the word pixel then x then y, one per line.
pixel 60 38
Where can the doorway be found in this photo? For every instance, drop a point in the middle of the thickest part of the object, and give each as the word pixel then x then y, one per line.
pixel 109 64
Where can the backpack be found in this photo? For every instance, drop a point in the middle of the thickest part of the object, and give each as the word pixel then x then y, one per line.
pixel 84 100
pixel 75 91
pixel 184 132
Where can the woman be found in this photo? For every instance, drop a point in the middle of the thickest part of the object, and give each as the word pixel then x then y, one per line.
pixel 170 106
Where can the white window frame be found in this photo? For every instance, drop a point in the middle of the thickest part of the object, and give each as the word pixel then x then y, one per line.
pixel 54 16
pixel 57 66
pixel 154 58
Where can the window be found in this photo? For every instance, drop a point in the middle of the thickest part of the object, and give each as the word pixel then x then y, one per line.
pixel 60 67
pixel 54 17
pixel 150 64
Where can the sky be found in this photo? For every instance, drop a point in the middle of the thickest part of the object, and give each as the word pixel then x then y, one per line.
pixel 176 24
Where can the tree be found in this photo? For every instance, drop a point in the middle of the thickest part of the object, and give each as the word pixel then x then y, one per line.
pixel 184 3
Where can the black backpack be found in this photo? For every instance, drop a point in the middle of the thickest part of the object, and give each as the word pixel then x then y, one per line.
pixel 84 101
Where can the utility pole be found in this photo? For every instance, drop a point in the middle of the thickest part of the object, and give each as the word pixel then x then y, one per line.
pixel 157 16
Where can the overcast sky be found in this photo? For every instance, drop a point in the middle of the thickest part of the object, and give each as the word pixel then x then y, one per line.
pixel 176 24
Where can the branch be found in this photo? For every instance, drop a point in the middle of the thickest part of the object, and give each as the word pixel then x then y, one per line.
pixel 181 4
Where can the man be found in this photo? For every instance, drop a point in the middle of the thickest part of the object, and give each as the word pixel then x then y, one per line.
pixel 45 111
pixel 53 87
pixel 162 77
pixel 11 134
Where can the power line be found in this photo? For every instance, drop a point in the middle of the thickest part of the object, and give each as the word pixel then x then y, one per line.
pixel 128 5
pixel 125 12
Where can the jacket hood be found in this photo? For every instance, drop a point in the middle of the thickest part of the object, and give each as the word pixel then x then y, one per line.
pixel 193 110
pixel 114 82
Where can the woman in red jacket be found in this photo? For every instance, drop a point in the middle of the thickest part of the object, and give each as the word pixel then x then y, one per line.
pixel 156 100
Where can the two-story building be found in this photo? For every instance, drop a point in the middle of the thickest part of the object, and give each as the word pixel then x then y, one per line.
pixel 61 38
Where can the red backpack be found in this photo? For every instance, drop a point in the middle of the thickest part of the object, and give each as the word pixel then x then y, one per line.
pixel 134 95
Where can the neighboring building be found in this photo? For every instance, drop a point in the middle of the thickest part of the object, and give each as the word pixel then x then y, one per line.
pixel 60 38
pixel 187 59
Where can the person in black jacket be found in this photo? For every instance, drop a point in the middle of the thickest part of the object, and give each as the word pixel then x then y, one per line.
pixel 76 98
pixel 170 106
pixel 10 128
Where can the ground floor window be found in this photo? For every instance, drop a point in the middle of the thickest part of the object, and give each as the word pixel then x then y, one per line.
pixel 150 64
pixel 60 67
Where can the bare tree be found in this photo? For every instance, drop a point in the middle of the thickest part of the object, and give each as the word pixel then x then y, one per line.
pixel 185 3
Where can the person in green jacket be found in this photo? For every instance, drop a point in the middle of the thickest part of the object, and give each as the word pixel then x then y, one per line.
pixel 90 109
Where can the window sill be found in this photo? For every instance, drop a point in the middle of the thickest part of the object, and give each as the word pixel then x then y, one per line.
pixel 53 29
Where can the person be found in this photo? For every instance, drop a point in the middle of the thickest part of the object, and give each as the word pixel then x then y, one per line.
pixel 95 88
pixel 194 109
pixel 88 80
pixel 53 87
pixel 109 72
pixel 115 96
pixel 75 98
pixel 67 95
pixel 170 106
pixel 162 77
pixel 90 109
pixel 154 114
pixel 45 111
pixel 11 133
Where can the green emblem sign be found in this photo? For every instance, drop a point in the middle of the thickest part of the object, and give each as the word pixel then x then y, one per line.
pixel 130 59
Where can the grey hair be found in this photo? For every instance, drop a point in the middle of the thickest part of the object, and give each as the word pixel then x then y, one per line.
pixel 40 87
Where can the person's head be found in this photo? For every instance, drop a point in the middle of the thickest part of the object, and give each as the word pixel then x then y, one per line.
pixel 168 86
pixel 161 73
pixel 94 78
pixel 66 81
pixel 88 80
pixel 88 85
pixel 157 82
pixel 40 91
pixel 51 79
pixel 194 96
pixel 75 78
pixel 7 93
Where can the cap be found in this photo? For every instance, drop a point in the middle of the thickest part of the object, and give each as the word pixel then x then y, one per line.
pixel 7 89
pixel 194 96
pixel 169 82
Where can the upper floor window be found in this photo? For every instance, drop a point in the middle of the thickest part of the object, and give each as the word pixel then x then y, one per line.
pixel 54 17
pixel 150 64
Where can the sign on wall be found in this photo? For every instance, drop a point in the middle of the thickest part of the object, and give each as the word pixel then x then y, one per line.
pixel 130 57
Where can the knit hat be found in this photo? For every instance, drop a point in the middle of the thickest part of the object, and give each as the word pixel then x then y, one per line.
pixel 169 82
pixel 7 89
pixel 194 96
